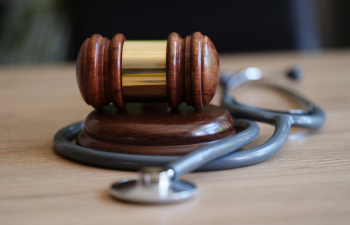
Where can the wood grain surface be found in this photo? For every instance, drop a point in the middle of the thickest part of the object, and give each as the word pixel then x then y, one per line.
pixel 307 182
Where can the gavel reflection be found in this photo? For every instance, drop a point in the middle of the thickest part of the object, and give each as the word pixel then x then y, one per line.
pixel 174 71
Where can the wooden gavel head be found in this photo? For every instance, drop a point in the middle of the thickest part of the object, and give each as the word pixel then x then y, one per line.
pixel 173 71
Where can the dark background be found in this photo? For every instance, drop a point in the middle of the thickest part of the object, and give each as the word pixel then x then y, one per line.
pixel 233 26
pixel 248 25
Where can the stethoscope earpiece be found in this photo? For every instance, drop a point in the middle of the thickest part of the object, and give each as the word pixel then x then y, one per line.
pixel 232 80
pixel 295 73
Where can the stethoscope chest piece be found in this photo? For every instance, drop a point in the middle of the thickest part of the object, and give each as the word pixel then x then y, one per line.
pixel 155 186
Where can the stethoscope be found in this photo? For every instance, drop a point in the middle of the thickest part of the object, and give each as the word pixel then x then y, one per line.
pixel 159 175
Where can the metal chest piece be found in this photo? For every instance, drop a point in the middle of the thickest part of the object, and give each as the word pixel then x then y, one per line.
pixel 154 186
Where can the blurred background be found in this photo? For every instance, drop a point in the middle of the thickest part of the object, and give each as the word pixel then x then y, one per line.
pixel 50 31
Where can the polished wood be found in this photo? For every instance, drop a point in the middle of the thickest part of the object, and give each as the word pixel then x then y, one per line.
pixel 187 71
pixel 81 72
pixel 196 70
pixel 93 70
pixel 184 70
pixel 210 65
pixel 307 182
pixel 98 71
pixel 173 70
pixel 155 129
pixel 115 63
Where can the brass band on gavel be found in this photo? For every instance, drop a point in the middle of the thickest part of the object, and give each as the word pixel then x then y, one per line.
pixel 144 71
pixel 175 70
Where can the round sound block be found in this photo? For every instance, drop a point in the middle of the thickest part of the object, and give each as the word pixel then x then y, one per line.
pixel 155 129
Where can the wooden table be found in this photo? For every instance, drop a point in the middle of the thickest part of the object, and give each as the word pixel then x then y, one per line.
pixel 307 182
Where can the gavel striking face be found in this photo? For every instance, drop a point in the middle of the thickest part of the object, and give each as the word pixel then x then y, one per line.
pixel 173 71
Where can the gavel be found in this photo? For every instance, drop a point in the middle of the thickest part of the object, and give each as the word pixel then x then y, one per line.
pixel 175 70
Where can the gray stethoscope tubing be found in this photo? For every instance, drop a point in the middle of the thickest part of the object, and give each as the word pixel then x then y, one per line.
pixel 180 165
pixel 201 160
pixel 283 121
pixel 158 181
pixel 313 118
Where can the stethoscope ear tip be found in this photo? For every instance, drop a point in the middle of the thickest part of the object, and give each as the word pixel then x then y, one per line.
pixel 295 73
pixel 154 186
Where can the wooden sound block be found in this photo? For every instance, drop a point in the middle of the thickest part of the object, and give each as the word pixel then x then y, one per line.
pixel 155 129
